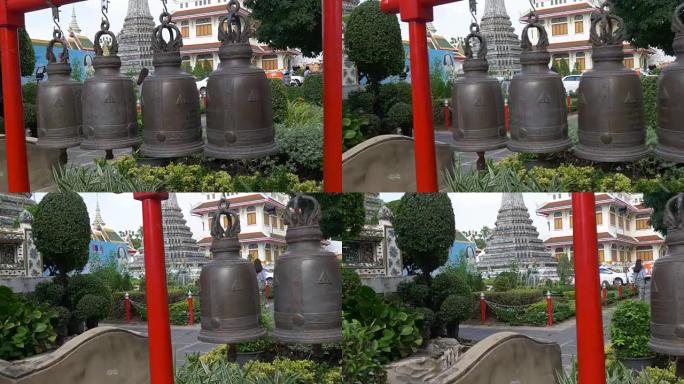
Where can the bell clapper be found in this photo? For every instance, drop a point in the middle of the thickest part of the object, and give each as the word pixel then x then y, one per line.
pixel 481 162
pixel 109 155
pixel 231 353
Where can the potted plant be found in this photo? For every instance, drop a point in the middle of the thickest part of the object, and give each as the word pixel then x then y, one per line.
pixel 252 350
pixel 629 334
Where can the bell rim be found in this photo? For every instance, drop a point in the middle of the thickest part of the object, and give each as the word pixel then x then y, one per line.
pixel 611 155
pixel 236 153
pixel 668 153
pixel 665 348
pixel 467 148
pixel 255 334
pixel 530 147
pixel 303 336
pixel 162 152
pixel 63 144
pixel 106 144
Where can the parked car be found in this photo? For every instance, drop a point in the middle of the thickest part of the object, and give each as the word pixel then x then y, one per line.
pixel 202 86
pixel 648 269
pixel 571 83
pixel 612 277
pixel 291 79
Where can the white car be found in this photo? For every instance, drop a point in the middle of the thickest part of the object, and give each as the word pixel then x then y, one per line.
pixel 202 86
pixel 571 83
pixel 609 276
pixel 296 81
pixel 648 269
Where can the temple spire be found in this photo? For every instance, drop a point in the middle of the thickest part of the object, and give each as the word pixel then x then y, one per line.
pixel 73 25
pixel 503 43
pixel 495 8
pixel 135 38
pixel 98 222
pixel 138 8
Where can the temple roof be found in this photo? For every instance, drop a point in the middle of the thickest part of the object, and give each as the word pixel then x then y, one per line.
pixel 76 40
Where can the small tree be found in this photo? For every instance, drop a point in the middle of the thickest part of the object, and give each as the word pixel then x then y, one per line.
pixel 564 269
pixel 454 310
pixel 648 23
pixel 76 70
pixel 61 228
pixel 343 214
pixel 424 224
pixel 373 42
pixel 27 55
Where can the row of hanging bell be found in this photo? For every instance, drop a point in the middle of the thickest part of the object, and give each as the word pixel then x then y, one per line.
pixel 307 283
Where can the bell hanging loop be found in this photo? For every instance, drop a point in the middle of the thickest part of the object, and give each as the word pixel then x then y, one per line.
pixel 58 101
pixel 670 113
pixel 170 100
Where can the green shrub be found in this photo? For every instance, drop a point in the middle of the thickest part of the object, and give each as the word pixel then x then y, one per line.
pixel 82 285
pixel 295 93
pixel 279 99
pixel 630 329
pixel 61 322
pixel 400 115
pixel 25 329
pixel 312 89
pixel 361 102
pixel 438 112
pixel 413 293
pixel 392 93
pixel 362 362
pixel 301 113
pixel 303 148
pixel 29 92
pixel 374 126
pixel 91 309
pixel 50 293
pixel 505 281
pixel 352 130
pixel 449 282
pixel 195 371
pixel 454 310
pixel 427 323
pixel 179 313
pixel 515 297
pixel 351 282
pixel 649 84
pixel 30 117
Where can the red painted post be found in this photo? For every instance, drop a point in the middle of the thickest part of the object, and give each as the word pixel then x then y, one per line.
pixel 633 288
pixel 158 328
pixel 568 101
pixel 267 291
pixel 127 305
pixel 590 353
pixel 620 292
pixel 604 294
pixel 447 114
pixel 191 310
pixel 483 308
pixel 332 95
pixel 549 309
pixel 417 13
pixel 507 114
pixel 11 18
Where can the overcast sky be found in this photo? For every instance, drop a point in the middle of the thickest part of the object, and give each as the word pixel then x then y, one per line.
pixel 451 20
pixel 475 210
pixel 121 212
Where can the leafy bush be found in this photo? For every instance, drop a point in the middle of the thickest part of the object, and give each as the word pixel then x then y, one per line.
pixel 312 89
pixel 29 93
pixel 649 84
pixel 352 130
pixel 413 293
pixel 536 314
pixel 92 309
pixel 393 93
pixel 449 282
pixel 400 115
pixel 361 102
pixel 278 99
pixel 25 329
pixel 374 126
pixel 179 313
pixel 505 281
pixel 115 280
pixel 300 113
pixel 361 363
pixel 427 323
pixel 438 112
pixel 630 330
pixel 294 93
pixel 30 118
pixel 395 328
pixel 303 147
pixel 50 293
pixel 515 297
pixel 61 322
pixel 82 285
pixel 455 309
pixel 351 283
pixel 195 371
pixel 61 228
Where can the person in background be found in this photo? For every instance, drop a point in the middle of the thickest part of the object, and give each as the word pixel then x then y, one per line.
pixel 640 279
pixel 307 72
pixel 260 273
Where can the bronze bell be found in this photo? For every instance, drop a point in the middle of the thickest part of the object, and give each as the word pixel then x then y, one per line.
pixel 307 281
pixel 539 116
pixel 229 293
pixel 610 98
pixel 109 102
pixel 59 102
pixel 670 96
pixel 239 111
pixel 170 100
pixel 479 122
pixel 667 296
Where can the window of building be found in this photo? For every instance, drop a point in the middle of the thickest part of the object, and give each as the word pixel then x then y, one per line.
pixel 269 63
pixel 613 219
pixel 570 219
pixel 251 216
pixel 253 252
pixel 601 254
pixel 627 223
pixel 621 222
pixel 561 60
pixel 644 253
pixel 185 29
pixel 281 224
pixel 580 61
pixel 629 61
pixel 623 255
pixel 203 27
pixel 559 253
pixel 613 253
pixel 274 221
pixel 643 223
pixel 267 218
pixel 267 252
pixel 579 24
pixel 559 26
pixel 599 216
pixel 207 61
pixel 557 221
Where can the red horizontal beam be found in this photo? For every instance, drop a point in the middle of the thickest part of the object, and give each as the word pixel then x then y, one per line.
pixel 23 6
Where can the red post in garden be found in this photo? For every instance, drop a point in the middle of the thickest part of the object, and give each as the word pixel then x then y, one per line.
pixel 590 355
pixel 267 291
pixel 483 308
pixel 158 328
pixel 11 18
pixel 447 114
pixel 620 292
pixel 633 288
pixel 604 294
pixel 332 95
pixel 417 13
pixel 127 305
pixel 549 309
pixel 191 310
pixel 507 115
pixel 568 101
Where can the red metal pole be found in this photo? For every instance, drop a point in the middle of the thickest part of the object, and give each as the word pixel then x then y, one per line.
pixel 604 295
pixel 127 305
pixel 267 291
pixel 568 101
pixel 332 95
pixel 590 354
pixel 159 330
pixel 447 115
pixel 423 132
pixel 549 309
pixel 507 114
pixel 15 136
pixel 483 308
pixel 620 292
pixel 191 310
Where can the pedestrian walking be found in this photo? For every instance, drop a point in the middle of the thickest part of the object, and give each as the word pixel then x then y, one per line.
pixel 307 72
pixel 260 273
pixel 640 279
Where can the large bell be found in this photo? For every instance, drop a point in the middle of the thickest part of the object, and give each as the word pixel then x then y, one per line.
pixel 229 293
pixel 479 122
pixel 109 102
pixel 539 116
pixel 610 98
pixel 667 295
pixel 307 281
pixel 239 110
pixel 170 101
pixel 670 96
pixel 59 102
